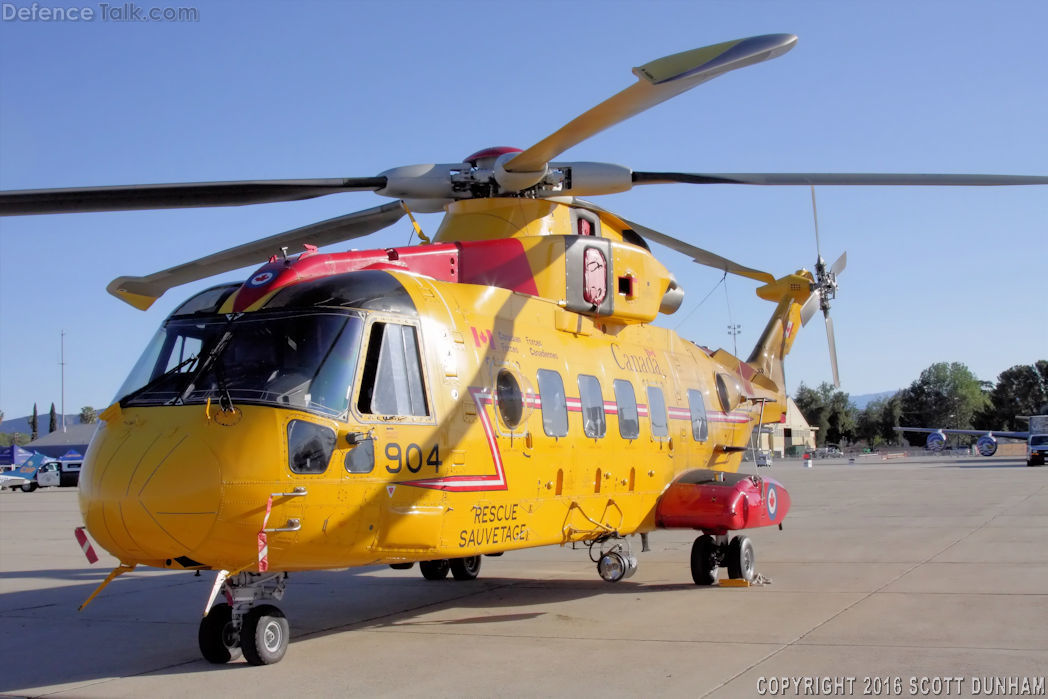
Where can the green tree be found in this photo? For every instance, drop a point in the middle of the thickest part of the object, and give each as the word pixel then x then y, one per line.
pixel 1041 365
pixel 34 424
pixel 812 406
pixel 88 415
pixel 829 410
pixel 875 424
pixel 945 395
pixel 52 424
pixel 1020 390
pixel 868 423
pixel 7 439
pixel 891 417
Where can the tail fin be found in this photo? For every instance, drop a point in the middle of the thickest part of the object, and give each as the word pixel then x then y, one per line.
pixel 791 292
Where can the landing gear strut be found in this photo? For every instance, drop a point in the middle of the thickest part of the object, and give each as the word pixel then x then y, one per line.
pixel 250 625
pixel 709 553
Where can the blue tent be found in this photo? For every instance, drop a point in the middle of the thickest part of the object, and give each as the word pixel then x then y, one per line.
pixel 13 455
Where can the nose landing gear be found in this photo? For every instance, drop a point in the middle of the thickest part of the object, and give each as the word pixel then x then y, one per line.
pixel 259 631
pixel 264 634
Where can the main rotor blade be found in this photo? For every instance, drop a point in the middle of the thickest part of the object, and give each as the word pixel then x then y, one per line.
pixel 835 178
pixel 831 340
pixel 815 217
pixel 657 82
pixel 703 257
pixel 141 292
pixel 176 196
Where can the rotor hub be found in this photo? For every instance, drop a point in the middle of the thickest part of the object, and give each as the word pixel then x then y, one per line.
pixel 486 158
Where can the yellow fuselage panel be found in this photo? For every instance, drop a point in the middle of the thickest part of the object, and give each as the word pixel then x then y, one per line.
pixel 174 483
pixel 638 282
pixel 496 219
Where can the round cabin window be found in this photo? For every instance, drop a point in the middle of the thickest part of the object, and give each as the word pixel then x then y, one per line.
pixel 509 398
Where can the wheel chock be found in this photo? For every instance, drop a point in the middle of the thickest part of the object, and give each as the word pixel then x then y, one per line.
pixel 732 582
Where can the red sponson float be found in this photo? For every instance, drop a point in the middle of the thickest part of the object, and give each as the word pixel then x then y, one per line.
pixel 718 502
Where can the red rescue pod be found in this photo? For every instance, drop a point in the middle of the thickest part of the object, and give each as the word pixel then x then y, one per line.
pixel 717 503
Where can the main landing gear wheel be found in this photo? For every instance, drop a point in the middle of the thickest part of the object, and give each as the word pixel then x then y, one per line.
pixel 465 568
pixel 264 635
pixel 740 559
pixel 435 570
pixel 217 635
pixel 704 560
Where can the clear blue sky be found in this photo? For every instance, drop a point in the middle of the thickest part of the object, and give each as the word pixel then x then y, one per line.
pixel 325 89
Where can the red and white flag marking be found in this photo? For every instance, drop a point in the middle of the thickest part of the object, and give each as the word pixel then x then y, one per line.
pixel 85 545
pixel 263 542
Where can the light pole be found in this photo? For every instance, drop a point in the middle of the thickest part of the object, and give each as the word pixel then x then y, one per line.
pixel 734 329
pixel 61 363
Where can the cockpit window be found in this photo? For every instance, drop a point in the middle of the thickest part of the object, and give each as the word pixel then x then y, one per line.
pixel 304 361
pixel 392 380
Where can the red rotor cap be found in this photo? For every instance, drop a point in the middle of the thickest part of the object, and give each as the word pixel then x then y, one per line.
pixel 489 154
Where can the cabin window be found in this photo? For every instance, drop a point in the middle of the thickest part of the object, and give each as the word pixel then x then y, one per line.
pixel 554 403
pixel 509 399
pixel 309 446
pixel 657 412
pixel 697 406
pixel 593 424
pixel 392 379
pixel 626 399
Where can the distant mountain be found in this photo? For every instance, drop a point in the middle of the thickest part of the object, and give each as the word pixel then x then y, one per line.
pixel 21 424
pixel 860 402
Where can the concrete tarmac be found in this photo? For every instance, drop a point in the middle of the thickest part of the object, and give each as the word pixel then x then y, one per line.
pixel 924 577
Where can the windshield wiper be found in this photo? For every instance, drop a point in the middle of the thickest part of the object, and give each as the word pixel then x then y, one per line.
pixel 205 365
pixel 155 382
pixel 216 351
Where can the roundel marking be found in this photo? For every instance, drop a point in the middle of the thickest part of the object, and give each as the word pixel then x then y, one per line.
pixel 260 279
pixel 773 501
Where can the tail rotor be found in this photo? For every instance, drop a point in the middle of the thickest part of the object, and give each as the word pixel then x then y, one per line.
pixel 824 290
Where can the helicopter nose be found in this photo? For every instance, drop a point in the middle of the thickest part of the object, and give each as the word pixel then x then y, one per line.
pixel 151 498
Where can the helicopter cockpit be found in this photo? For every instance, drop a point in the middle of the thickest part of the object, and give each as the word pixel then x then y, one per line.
pixel 299 351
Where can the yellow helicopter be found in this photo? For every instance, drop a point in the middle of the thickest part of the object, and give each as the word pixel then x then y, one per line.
pixel 500 386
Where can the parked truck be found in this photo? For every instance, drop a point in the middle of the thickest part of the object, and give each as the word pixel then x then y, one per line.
pixel 58 473
pixel 1037 440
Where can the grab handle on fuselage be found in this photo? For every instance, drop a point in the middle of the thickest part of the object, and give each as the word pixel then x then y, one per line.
pixel 298 492
pixel 292 525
